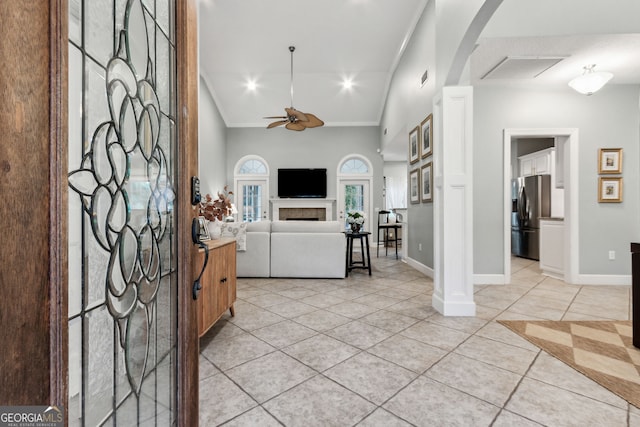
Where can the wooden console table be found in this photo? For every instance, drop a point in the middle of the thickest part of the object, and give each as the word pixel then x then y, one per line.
pixel 218 293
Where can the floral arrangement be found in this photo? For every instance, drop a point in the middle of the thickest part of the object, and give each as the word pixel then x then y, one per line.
pixel 355 217
pixel 216 209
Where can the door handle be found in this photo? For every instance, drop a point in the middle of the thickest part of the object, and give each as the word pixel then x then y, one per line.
pixel 195 236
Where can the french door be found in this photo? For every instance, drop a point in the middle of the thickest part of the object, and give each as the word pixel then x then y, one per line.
pixel 252 200
pixel 354 195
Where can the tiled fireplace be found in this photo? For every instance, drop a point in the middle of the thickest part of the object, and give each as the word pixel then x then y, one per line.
pixel 302 209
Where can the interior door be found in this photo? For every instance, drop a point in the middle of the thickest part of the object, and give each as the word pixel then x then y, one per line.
pixel 353 195
pixel 124 212
pixel 253 204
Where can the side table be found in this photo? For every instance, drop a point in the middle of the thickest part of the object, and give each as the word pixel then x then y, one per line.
pixel 363 236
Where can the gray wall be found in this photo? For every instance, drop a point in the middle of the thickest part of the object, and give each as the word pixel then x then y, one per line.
pixel 609 118
pixel 407 105
pixel 212 138
pixel 322 147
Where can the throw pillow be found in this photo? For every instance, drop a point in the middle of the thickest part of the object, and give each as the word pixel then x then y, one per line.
pixel 238 230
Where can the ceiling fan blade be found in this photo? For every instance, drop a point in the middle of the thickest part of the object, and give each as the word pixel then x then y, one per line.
pixel 295 126
pixel 278 123
pixel 275 117
pixel 299 115
pixel 313 121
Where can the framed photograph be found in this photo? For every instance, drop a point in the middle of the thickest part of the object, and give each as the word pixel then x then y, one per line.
pixel 426 182
pixel 414 186
pixel 414 142
pixel 426 131
pixel 610 160
pixel 203 232
pixel 609 190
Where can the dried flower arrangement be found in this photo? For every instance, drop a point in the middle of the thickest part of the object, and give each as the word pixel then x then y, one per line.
pixel 216 209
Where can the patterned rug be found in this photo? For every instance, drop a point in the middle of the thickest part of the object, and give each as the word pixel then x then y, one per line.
pixel 601 350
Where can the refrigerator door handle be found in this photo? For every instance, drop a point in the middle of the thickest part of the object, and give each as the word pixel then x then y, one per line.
pixel 521 206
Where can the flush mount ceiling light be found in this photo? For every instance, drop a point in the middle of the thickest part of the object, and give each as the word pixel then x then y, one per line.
pixel 295 120
pixel 590 81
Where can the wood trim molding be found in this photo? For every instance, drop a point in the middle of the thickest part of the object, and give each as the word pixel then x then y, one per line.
pixel 58 194
pixel 187 75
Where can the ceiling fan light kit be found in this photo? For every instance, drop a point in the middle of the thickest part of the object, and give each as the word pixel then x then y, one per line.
pixel 295 120
pixel 590 81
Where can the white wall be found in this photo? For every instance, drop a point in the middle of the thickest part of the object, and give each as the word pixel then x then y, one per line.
pixel 609 118
pixel 396 185
pixel 212 138
pixel 322 147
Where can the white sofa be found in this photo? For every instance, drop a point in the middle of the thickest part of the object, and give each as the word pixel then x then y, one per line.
pixel 302 249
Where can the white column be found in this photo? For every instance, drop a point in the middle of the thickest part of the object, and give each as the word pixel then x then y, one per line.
pixel 453 202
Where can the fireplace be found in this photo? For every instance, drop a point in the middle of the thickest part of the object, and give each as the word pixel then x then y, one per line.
pixel 302 209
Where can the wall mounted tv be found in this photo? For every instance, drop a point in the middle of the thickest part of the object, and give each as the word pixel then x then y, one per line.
pixel 301 183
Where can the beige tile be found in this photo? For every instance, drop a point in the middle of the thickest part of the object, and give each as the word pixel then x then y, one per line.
pixel 551 405
pixel 389 320
pixel 352 309
pixel 425 401
pixel 319 402
pixel 255 318
pixel 321 352
pixel 206 368
pixel 284 333
pixel 225 354
pixel 359 334
pixel 297 293
pixel 322 300
pixel 486 382
pixel 292 309
pixel 250 291
pixel 267 300
pixel 255 417
pixel 412 309
pixel 536 309
pixel 509 419
pixel 435 335
pixel 377 301
pixel 464 324
pixel 505 356
pixel 408 353
pixel 321 320
pixel 371 377
pixel 221 400
pixel 382 418
pixel 270 375
pixel 221 330
pixel 497 332
pixel 350 293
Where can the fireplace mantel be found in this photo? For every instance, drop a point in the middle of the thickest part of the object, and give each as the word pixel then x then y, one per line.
pixel 326 204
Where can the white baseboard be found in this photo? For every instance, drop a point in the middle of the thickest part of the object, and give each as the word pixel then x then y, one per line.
pixel 488 279
pixel 427 271
pixel 604 279
pixel 454 308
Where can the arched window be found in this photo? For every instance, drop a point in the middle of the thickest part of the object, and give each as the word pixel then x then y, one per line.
pixel 355 183
pixel 354 165
pixel 251 188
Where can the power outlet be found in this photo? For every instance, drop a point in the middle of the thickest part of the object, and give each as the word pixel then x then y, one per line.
pixel 420 247
pixel 612 255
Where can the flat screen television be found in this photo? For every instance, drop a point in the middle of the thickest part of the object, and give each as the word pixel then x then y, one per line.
pixel 299 183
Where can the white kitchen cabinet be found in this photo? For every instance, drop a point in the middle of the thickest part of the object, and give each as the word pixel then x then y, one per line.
pixel 538 163
pixel 552 247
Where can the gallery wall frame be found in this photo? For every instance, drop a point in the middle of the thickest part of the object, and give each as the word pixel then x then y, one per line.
pixel 414 186
pixel 610 189
pixel 426 182
pixel 414 145
pixel 426 136
pixel 609 160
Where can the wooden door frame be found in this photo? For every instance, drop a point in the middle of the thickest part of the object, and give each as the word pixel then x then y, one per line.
pixel 33 215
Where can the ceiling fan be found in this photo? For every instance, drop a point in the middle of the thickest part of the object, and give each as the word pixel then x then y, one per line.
pixel 295 120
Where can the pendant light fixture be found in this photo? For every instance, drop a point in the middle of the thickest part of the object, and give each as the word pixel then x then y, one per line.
pixel 590 81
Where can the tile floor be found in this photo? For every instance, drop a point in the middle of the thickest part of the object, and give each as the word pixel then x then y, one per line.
pixel 371 351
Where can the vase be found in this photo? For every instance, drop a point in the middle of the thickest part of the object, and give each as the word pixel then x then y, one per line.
pixel 355 228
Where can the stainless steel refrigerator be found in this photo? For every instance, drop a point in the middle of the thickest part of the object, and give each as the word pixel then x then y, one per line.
pixel 531 200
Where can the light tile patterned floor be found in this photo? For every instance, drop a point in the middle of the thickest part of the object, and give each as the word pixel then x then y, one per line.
pixel 371 351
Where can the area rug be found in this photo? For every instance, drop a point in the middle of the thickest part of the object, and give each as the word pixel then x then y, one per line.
pixel 601 350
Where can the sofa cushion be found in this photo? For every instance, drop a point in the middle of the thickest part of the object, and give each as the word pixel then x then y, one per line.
pixel 238 230
pixel 307 227
pixel 264 225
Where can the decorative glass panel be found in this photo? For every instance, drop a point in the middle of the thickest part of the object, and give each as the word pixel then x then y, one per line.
pixel 252 167
pixel 122 248
pixel 354 166
pixel 252 203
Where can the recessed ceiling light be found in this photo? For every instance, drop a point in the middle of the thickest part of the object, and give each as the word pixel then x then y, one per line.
pixel 251 85
pixel 347 83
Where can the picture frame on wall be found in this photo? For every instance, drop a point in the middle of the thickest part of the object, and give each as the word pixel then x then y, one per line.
pixel 426 132
pixel 426 182
pixel 414 186
pixel 610 190
pixel 414 145
pixel 609 160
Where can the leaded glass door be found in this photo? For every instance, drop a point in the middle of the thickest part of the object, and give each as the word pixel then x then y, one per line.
pixel 122 222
